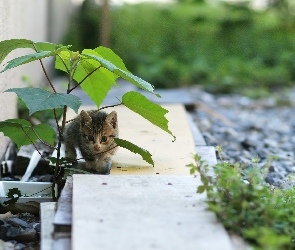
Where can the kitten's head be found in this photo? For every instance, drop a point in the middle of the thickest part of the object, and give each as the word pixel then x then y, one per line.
pixel 98 129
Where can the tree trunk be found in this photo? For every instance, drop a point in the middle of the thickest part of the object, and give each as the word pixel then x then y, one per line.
pixel 105 24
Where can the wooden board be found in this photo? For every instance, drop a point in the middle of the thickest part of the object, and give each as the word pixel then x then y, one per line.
pixel 143 212
pixel 169 157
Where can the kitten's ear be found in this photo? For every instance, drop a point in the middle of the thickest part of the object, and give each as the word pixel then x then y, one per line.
pixel 85 118
pixel 112 119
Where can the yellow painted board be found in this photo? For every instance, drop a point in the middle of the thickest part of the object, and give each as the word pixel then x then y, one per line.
pixel 170 157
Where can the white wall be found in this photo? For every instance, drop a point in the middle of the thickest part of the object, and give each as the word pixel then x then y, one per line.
pixel 20 19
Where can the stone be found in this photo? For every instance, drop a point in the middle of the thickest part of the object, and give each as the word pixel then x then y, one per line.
pixel 16 222
pixel 6 245
pixel 4 227
pixel 36 226
pixel 26 235
pixel 263 129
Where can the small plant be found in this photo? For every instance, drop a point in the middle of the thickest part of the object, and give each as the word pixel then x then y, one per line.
pixel 264 216
pixel 95 71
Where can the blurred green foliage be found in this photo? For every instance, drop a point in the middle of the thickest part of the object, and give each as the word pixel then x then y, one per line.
pixel 225 47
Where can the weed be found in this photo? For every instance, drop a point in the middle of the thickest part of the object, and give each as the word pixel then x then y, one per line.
pixel 262 215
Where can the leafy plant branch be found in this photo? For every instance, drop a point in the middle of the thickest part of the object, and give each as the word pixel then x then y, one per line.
pixel 95 71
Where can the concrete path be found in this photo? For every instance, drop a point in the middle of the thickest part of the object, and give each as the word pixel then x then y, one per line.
pixel 143 212
pixel 169 157
pixel 139 206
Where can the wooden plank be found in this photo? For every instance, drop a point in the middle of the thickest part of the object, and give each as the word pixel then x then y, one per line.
pixel 143 212
pixel 170 157
pixel 47 214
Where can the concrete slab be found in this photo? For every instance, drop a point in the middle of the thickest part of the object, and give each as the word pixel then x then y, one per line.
pixel 169 157
pixel 47 214
pixel 209 156
pixel 63 216
pixel 143 212
pixel 197 136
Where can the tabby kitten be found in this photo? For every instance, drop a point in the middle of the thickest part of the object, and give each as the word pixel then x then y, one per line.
pixel 93 133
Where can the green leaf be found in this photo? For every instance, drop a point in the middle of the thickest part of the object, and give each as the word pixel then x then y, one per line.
pixel 7 46
pixel 146 156
pixel 201 189
pixel 65 56
pixel 98 84
pixel 109 55
pixel 31 57
pixel 98 80
pixel 147 109
pixel 14 194
pixel 45 132
pixel 192 170
pixel 204 180
pixel 39 99
pixel 122 73
pixel 46 46
pixel 22 132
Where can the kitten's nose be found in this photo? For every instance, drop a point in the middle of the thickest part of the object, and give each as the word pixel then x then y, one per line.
pixel 96 147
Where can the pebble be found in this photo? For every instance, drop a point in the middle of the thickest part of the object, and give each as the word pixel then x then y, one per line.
pixel 256 128
pixel 21 231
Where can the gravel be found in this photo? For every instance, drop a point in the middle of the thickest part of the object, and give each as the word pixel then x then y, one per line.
pixel 247 129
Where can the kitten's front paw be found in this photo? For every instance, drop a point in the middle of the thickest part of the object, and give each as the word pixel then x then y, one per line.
pixel 109 166
pixel 101 167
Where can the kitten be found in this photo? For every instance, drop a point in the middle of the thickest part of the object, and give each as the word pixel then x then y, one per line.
pixel 92 132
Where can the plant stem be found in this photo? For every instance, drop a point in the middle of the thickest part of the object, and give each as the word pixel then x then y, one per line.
pixel 34 145
pixel 110 106
pixel 75 66
pixel 61 130
pixel 89 74
pixel 45 73
pixel 56 167
pixel 46 144
pixel 68 71
pixel 56 121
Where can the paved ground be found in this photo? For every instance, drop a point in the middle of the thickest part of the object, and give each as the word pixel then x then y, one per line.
pixel 145 210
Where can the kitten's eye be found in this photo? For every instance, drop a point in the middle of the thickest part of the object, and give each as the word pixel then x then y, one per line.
pixel 90 138
pixel 104 139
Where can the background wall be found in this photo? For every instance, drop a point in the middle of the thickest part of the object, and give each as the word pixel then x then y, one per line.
pixel 28 19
